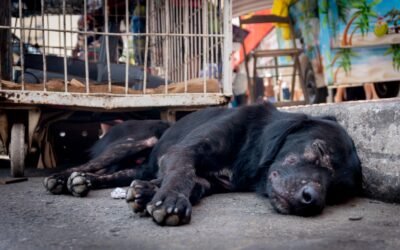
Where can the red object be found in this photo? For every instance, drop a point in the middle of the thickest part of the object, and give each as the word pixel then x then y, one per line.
pixel 257 32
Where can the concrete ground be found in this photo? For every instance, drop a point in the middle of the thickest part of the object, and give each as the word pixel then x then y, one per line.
pixel 31 218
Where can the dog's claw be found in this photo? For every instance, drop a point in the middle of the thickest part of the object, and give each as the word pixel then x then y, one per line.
pixel 150 209
pixel 159 215
pixel 139 194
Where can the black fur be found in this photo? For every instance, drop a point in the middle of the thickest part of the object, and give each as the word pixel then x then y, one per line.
pixel 300 162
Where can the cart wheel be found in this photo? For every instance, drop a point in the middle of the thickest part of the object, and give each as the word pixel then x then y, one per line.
pixel 387 89
pixel 17 150
pixel 315 94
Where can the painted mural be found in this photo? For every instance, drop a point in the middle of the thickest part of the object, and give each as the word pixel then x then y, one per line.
pixel 367 22
pixel 350 41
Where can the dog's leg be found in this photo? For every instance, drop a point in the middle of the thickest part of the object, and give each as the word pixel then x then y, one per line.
pixel 171 205
pixel 117 151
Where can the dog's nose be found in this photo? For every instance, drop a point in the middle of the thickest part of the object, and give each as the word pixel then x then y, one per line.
pixel 308 195
pixel 309 200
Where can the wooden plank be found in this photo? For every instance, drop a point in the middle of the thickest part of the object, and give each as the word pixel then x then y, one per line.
pixel 265 19
pixel 10 180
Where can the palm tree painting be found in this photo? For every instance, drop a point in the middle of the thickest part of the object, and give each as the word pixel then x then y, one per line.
pixel 394 17
pixel 358 39
pixel 343 9
pixel 395 51
pixel 343 56
pixel 361 18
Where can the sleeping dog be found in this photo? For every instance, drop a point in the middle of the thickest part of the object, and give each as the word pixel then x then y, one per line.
pixel 301 163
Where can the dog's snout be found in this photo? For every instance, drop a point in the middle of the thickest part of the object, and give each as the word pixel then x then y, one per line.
pixel 308 195
pixel 309 200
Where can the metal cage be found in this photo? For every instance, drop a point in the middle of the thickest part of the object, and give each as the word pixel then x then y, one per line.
pixel 118 54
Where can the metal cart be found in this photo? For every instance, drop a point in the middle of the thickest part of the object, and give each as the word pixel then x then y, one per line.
pixel 107 56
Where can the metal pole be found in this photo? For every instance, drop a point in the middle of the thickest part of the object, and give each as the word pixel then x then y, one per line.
pixel 21 44
pixel 191 32
pixel 211 39
pixel 166 45
pixel 59 35
pixel 173 59
pixel 44 48
pixel 198 38
pixel 186 44
pixel 205 42
pixel 127 46
pixel 48 31
pixel 107 45
pixel 65 47
pixel 182 11
pixel 146 48
pixel 86 47
pixel 226 67
pixel 5 42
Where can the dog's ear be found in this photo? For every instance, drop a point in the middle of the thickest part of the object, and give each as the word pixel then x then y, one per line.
pixel 319 153
pixel 274 136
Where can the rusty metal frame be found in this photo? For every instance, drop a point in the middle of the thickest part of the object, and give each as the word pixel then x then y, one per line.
pixel 110 102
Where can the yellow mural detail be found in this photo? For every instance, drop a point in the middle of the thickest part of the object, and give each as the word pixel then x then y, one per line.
pixel 281 8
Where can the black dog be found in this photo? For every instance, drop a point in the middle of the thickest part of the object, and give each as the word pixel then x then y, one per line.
pixel 299 162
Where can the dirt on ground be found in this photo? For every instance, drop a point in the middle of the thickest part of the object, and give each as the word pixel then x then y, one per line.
pixel 31 218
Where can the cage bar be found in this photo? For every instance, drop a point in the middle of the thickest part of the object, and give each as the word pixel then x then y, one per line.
pixel 146 46
pixel 107 39
pixel 127 46
pixel 227 47
pixel 167 38
pixel 44 48
pixel 65 47
pixel 21 45
pixel 85 24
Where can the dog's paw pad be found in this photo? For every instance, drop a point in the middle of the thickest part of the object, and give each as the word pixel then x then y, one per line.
pixel 139 194
pixel 78 184
pixel 55 184
pixel 173 209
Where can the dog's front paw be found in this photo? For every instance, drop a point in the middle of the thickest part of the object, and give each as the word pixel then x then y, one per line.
pixel 55 184
pixel 170 208
pixel 139 194
pixel 78 184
